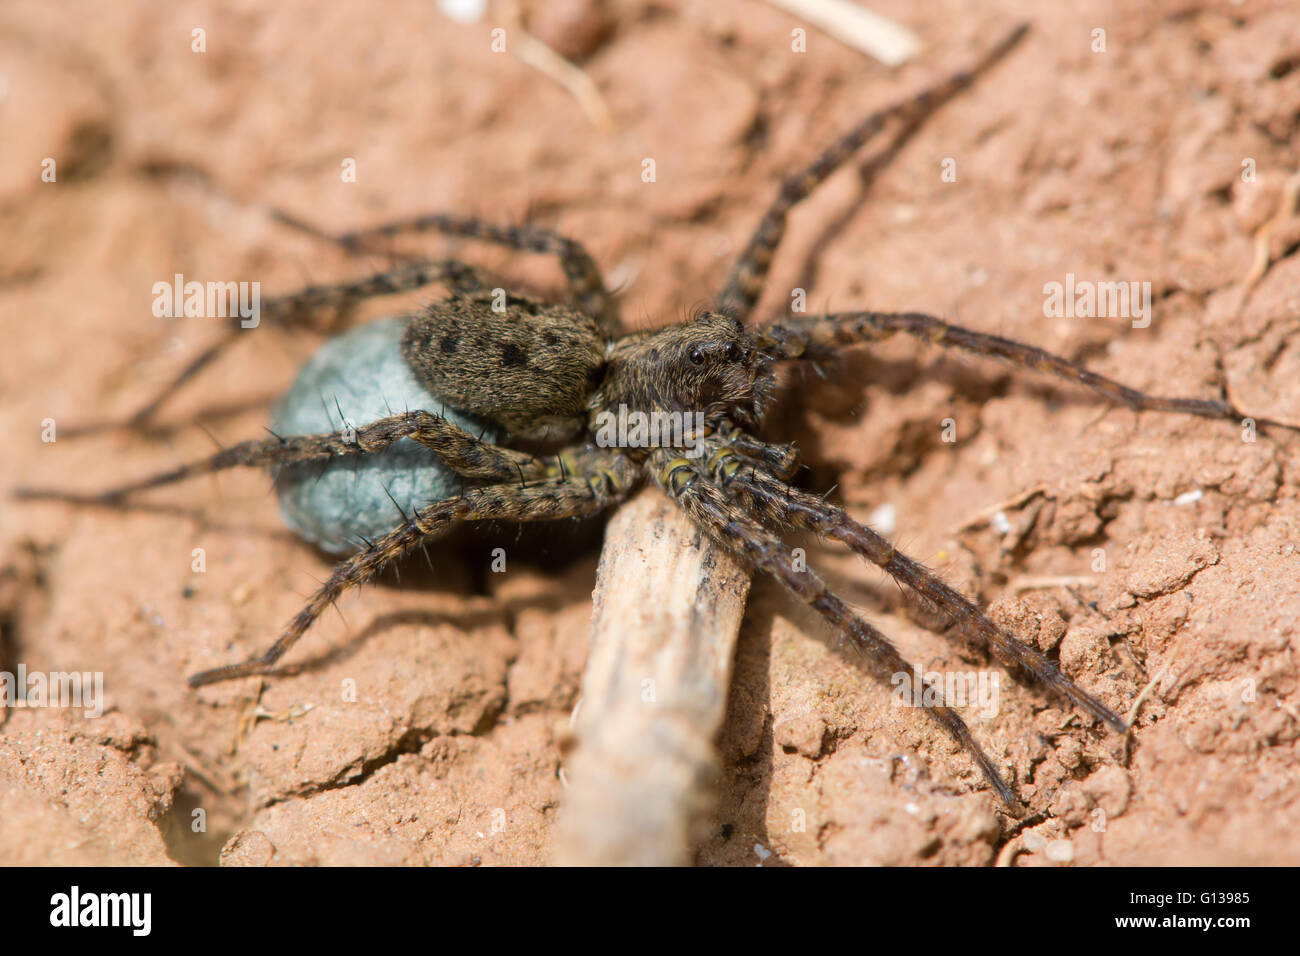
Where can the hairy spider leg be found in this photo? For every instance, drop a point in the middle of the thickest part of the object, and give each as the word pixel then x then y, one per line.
pixel 468 456
pixel 585 281
pixel 745 283
pixel 605 478
pixel 763 494
pixel 735 529
pixel 293 307
pixel 819 336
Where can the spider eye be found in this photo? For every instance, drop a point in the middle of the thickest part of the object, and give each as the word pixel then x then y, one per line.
pixel 733 352
pixel 696 356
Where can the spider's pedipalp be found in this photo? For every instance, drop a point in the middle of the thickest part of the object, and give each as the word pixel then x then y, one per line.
pixel 745 283
pixel 780 460
pixel 603 479
pixel 689 484
pixel 818 336
pixel 764 494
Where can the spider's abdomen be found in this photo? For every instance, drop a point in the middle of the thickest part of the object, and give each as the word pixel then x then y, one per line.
pixel 335 504
pixel 525 365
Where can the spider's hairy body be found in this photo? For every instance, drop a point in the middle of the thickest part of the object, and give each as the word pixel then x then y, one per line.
pixel 526 365
pixel 545 371
pixel 525 372
pixel 539 372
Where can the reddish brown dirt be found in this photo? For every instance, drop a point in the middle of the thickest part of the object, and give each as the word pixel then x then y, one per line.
pixel 1124 164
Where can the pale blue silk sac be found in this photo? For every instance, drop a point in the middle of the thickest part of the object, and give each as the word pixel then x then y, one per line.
pixel 335 504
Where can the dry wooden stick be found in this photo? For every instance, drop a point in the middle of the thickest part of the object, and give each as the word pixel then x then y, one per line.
pixel 887 41
pixel 1263 235
pixel 668 605
pixel 542 58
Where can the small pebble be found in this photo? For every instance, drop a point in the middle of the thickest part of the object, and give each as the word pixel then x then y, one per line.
pixel 1060 851
pixel 884 519
pixel 464 11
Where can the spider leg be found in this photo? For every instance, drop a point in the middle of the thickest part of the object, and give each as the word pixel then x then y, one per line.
pixel 292 309
pixel 604 479
pixel 817 336
pixel 763 494
pixel 737 530
pixel 580 269
pixel 463 453
pixel 745 283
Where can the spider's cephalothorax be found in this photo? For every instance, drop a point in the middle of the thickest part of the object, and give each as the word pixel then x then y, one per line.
pixel 710 365
pixel 503 398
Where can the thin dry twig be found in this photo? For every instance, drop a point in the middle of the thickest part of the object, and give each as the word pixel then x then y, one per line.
pixel 1028 583
pixel 1015 501
pixel 1007 855
pixel 887 41
pixel 528 49
pixel 1141 698
pixel 1264 235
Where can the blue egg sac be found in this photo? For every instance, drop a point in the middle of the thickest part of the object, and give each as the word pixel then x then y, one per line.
pixel 337 503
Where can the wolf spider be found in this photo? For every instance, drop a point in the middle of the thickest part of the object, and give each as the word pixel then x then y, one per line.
pixel 538 369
